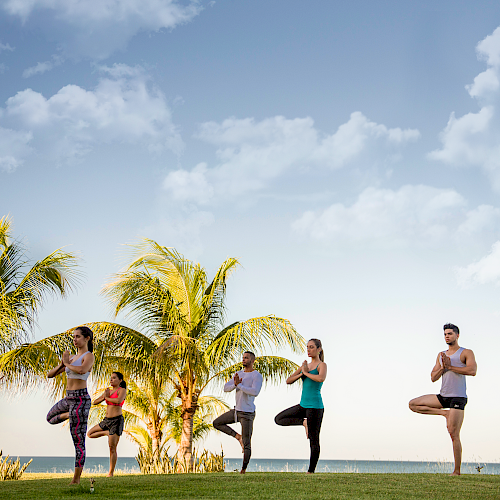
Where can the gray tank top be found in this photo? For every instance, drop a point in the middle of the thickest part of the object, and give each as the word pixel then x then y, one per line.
pixel 77 362
pixel 453 384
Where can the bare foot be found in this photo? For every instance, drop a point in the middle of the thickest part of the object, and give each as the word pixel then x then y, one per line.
pixel 455 473
pixel 242 471
pixel 110 474
pixel 74 482
pixel 240 440
pixel 305 427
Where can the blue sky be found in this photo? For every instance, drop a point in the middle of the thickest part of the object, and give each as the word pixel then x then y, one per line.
pixel 346 154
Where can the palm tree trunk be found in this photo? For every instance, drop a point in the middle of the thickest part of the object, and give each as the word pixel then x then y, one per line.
pixel 189 408
pixel 186 446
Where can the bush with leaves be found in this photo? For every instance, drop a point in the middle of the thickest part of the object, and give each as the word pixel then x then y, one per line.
pixel 10 470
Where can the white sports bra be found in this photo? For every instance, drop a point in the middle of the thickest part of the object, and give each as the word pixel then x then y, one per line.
pixel 77 362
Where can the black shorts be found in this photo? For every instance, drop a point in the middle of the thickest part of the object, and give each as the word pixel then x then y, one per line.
pixel 113 424
pixel 455 403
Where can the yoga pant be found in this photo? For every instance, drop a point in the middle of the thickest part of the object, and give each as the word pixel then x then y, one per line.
pixel 295 416
pixel 77 403
pixel 246 419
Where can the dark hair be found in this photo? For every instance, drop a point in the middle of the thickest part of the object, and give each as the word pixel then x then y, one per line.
pixel 87 333
pixel 122 382
pixel 251 354
pixel 450 326
pixel 319 346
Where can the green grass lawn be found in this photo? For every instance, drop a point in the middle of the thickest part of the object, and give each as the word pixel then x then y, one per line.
pixel 257 485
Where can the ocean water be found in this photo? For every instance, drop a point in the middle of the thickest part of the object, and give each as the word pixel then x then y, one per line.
pixel 129 465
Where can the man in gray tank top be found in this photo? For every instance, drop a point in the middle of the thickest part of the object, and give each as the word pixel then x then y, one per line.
pixel 451 366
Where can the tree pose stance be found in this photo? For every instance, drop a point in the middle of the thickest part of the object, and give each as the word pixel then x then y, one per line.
pixel 309 412
pixel 76 404
pixel 112 425
pixel 247 383
pixel 452 365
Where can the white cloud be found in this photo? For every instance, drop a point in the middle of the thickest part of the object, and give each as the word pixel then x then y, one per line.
pixel 74 121
pixel 189 186
pixel 97 28
pixel 472 139
pixel 14 149
pixel 251 154
pixel 420 215
pixel 43 67
pixel 6 46
pixel 486 270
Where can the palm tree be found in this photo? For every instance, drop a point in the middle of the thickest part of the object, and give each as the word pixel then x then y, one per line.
pixel 179 342
pixel 183 314
pixel 24 288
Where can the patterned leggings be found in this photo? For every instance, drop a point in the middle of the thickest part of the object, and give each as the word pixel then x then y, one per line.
pixel 77 403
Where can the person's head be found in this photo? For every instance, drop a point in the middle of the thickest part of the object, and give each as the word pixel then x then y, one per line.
pixel 116 380
pixel 248 359
pixel 451 333
pixel 83 336
pixel 314 348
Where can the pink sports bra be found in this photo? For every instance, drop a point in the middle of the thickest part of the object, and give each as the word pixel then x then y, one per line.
pixel 114 395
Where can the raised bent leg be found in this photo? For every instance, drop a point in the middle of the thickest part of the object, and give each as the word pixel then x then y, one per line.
pixel 454 424
pixel 97 432
pixel 220 423
pixel 59 412
pixel 427 405
pixel 291 416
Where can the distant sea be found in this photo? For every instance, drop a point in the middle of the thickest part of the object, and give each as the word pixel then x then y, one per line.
pixel 129 465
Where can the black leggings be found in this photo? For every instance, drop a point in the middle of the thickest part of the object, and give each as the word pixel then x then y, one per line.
pixel 246 419
pixel 77 403
pixel 295 416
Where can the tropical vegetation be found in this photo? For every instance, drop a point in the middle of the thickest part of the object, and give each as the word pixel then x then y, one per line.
pixel 178 344
pixel 25 287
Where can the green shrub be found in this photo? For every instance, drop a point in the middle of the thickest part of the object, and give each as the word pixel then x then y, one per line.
pixel 161 463
pixel 10 470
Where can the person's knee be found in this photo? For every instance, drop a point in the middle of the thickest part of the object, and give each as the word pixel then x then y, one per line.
pixel 277 420
pixel 216 423
pixel 112 448
pixel 412 405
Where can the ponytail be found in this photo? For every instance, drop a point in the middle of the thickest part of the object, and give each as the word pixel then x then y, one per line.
pixel 317 342
pixel 123 384
pixel 87 333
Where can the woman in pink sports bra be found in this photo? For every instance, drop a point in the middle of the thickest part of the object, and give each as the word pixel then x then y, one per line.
pixel 112 425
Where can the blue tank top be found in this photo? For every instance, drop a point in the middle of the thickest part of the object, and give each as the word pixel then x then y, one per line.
pixel 311 392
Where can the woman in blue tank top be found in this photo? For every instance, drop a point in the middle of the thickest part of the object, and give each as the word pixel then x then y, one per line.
pixel 309 412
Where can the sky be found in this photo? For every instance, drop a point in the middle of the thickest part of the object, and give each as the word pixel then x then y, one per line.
pixel 347 154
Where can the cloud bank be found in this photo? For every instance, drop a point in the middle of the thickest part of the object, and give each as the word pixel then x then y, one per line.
pixel 486 270
pixel 252 154
pixel 421 215
pixel 472 139
pixel 96 28
pixel 65 127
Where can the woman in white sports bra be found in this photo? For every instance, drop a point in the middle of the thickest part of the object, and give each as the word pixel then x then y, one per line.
pixel 76 404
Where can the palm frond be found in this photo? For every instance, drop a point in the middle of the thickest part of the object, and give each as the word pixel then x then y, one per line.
pixel 256 335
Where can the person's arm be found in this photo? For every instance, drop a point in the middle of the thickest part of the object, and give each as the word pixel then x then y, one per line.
pixel 470 367
pixel 255 388
pixel 57 370
pixel 320 377
pixel 122 393
pixel 88 361
pixel 98 400
pixel 229 385
pixel 294 376
pixel 438 369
